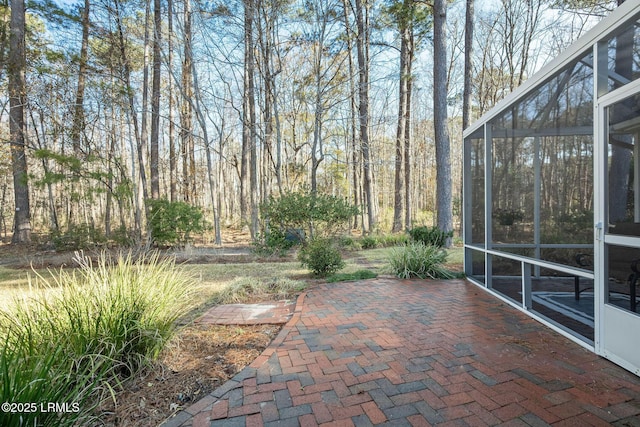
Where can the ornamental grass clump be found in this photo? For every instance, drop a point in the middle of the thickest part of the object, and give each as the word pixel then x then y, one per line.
pixel 87 330
pixel 419 260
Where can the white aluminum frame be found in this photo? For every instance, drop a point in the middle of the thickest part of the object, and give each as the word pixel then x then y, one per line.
pixel 613 324
pixel 596 41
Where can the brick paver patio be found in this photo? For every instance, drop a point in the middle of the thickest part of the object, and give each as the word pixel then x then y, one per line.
pixel 394 352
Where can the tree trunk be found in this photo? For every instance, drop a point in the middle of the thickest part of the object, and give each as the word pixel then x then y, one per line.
pixel 468 75
pixel 443 158
pixel 249 165
pixel 134 118
pixel 173 163
pixel 205 135
pixel 317 155
pixel 144 133
pixel 403 109
pixel 247 123
pixel 407 139
pixel 17 99
pixel 155 101
pixel 316 150
pixel 186 114
pixel 78 114
pixel 43 145
pixel 362 46
pixel 267 37
pixel 352 111
pixel 78 124
pixel 110 160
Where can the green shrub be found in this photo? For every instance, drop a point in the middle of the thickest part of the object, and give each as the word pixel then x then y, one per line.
pixel 245 289
pixel 349 242
pixel 171 223
pixel 508 216
pixel 389 240
pixel 274 242
pixel 382 240
pixel 369 242
pixel 317 215
pixel 76 237
pixel 430 236
pixel 419 260
pixel 357 275
pixel 94 326
pixel 321 257
pixel 122 237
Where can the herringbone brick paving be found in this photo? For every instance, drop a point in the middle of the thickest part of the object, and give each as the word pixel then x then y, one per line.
pixel 391 352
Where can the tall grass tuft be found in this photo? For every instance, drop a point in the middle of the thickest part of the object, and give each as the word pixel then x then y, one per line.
pixel 92 328
pixel 419 260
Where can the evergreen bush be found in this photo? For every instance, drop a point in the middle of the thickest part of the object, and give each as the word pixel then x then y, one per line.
pixel 309 214
pixel 321 257
pixel 172 223
pixel 430 236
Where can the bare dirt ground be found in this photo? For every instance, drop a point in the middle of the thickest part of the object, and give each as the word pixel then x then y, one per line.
pixel 200 359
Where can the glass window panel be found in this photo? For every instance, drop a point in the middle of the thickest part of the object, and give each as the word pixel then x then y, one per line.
pixel 513 190
pixel 624 279
pixel 542 164
pixel 477 270
pixel 476 193
pixel 554 297
pixel 566 190
pixel 624 56
pixel 624 128
pixel 525 252
pixel 574 257
pixel 507 278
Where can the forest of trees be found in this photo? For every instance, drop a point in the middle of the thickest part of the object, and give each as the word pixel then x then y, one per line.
pixel 222 104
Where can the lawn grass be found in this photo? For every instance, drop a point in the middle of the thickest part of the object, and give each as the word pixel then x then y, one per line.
pixel 14 283
pixel 214 278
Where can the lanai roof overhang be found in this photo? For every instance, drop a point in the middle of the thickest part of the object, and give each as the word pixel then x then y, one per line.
pixel 577 52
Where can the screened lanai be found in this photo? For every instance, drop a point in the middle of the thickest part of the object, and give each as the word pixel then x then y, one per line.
pixel 552 192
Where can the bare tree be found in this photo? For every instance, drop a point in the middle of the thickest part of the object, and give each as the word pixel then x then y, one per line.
pixel 404 15
pixel 173 163
pixel 353 123
pixel 186 112
pixel 249 166
pixel 362 47
pixel 468 71
pixel 155 101
pixel 126 71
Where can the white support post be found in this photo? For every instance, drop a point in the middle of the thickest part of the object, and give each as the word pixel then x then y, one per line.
pixel 467 185
pixel 636 178
pixel 488 207
pixel 600 172
pixel 526 286
pixel 536 200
